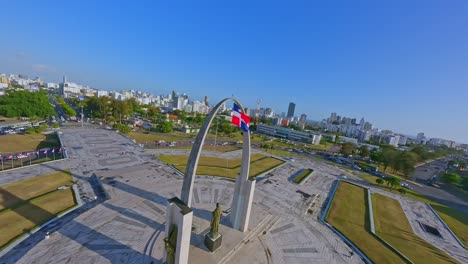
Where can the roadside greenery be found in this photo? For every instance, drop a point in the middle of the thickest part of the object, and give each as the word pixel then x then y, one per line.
pixel 451 178
pixel 66 108
pixel 124 129
pixel 404 162
pixel 25 104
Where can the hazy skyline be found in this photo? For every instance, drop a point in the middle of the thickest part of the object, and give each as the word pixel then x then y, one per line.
pixel 402 65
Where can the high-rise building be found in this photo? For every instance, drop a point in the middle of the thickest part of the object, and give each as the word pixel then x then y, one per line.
pixel 291 108
pixel 361 123
pixel 420 136
pixel 206 100
pixel 303 118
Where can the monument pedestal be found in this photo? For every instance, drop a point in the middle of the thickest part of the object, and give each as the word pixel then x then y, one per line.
pixel 213 244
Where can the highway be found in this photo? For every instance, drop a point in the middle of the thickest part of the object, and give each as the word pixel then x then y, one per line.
pixel 438 192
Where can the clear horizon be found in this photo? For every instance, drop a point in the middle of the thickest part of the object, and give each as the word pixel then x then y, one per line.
pixel 401 66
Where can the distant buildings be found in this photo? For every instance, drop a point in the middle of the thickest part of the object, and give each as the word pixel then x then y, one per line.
pixel 288 133
pixel 303 118
pixel 291 108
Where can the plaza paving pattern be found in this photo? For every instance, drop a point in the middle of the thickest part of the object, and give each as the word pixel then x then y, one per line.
pixel 129 227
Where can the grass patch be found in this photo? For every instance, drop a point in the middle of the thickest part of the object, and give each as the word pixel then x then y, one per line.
pixel 29 203
pixel 230 168
pixel 348 214
pixel 280 152
pixel 17 143
pixel 226 148
pixel 392 225
pixel 20 220
pixel 302 176
pixel 20 191
pixel 144 137
pixel 456 220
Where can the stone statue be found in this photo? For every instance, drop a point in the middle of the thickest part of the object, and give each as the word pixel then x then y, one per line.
pixel 216 218
pixel 170 244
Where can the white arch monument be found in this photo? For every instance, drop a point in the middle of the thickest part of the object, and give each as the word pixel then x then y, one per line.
pixel 179 212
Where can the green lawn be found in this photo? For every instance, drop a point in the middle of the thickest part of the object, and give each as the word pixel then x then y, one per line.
pixel 29 203
pixel 348 214
pixel 143 137
pixel 302 176
pixel 17 143
pixel 215 166
pixel 456 220
pixel 392 225
pixel 16 192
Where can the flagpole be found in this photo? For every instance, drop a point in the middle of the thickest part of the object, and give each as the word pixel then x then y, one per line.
pixel 2 161
pixel 12 166
pixel 22 160
pixel 29 158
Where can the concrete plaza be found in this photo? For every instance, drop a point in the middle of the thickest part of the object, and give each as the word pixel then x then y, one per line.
pixel 128 227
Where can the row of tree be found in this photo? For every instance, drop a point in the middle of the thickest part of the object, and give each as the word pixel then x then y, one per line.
pixel 391 182
pixel 69 111
pixel 22 103
pixel 398 160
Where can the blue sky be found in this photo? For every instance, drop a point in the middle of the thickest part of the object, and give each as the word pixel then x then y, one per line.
pixel 403 65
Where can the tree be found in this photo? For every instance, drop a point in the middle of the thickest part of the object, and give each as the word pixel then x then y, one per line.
pixel 387 156
pixel 124 129
pixel 347 148
pixel 402 191
pixel 55 125
pixel 379 181
pixel 451 178
pixel 41 128
pixel 464 183
pixel 31 130
pixel 461 164
pixel 405 162
pixel 165 127
pixel 25 104
pixel 364 151
pixel 152 111
pixel 392 182
pixel 267 147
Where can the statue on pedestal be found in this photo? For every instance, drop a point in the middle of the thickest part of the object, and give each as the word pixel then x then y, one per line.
pixel 216 218
pixel 170 243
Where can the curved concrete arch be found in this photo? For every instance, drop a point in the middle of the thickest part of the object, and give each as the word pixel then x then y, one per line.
pixel 244 188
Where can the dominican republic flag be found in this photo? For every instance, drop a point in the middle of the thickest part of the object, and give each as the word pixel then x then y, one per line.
pixel 45 152
pixel 239 118
pixel 53 150
pixel 59 150
pixel 37 153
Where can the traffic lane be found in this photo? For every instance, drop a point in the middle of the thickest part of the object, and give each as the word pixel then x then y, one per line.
pixel 443 196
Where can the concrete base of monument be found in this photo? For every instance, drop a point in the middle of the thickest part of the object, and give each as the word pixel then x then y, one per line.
pixel 234 242
pixel 213 243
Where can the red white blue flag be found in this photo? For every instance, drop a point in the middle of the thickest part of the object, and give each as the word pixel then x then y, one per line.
pixel 239 118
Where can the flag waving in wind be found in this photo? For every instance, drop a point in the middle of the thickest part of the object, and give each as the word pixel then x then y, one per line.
pixel 239 118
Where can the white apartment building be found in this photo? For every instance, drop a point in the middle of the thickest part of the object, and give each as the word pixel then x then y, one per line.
pixel 291 134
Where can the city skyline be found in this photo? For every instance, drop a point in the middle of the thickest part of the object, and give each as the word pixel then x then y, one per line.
pixel 400 65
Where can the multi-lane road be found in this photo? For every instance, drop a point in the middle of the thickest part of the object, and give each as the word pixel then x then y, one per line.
pixel 439 191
